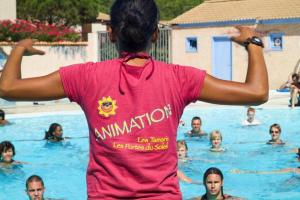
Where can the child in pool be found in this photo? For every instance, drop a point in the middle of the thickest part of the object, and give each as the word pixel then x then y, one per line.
pixel 216 141
pixel 182 157
pixel 113 93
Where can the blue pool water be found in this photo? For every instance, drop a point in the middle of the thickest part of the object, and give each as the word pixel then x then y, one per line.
pixel 63 166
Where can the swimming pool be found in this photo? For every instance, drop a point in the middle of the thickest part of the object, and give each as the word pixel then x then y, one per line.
pixel 63 166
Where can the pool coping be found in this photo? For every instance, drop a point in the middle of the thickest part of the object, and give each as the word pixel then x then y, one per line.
pixel 277 100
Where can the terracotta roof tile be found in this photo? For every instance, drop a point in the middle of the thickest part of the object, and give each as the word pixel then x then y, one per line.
pixel 232 10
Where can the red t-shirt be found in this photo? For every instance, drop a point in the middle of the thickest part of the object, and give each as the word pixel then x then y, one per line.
pixel 133 115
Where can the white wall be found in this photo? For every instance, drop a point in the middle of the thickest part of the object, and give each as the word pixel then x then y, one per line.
pixel 8 9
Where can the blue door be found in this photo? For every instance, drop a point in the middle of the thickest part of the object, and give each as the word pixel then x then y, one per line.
pixel 222 58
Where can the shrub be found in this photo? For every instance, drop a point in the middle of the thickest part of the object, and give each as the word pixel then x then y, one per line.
pixel 13 31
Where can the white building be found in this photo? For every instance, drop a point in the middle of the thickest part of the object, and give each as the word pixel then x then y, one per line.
pixel 8 9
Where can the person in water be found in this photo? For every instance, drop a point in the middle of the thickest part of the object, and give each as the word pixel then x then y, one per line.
pixel 54 133
pixel 125 132
pixel 213 181
pixel 216 141
pixel 35 188
pixel 3 121
pixel 275 132
pixel 7 153
pixel 196 131
pixel 251 120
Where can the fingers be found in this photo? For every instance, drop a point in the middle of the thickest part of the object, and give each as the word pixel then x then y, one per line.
pixel 37 51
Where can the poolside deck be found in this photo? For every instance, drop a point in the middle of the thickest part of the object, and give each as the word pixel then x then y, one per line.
pixel 276 99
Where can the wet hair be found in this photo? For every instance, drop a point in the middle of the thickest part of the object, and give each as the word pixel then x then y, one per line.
pixel 6 145
pixel 133 22
pixel 250 109
pixel 212 170
pixel 181 143
pixel 2 115
pixel 275 126
pixel 213 133
pixel 295 75
pixel 34 178
pixel 196 118
pixel 52 128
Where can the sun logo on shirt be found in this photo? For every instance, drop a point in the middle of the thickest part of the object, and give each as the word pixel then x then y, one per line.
pixel 107 106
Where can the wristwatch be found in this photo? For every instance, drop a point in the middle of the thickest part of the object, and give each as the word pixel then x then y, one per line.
pixel 254 40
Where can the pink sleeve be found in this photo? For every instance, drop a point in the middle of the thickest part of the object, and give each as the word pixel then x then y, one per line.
pixel 74 80
pixel 191 81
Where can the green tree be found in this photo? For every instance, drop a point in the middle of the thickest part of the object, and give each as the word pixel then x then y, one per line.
pixel 170 9
pixel 66 12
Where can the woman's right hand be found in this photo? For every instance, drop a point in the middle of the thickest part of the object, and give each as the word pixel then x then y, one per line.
pixel 27 46
pixel 243 34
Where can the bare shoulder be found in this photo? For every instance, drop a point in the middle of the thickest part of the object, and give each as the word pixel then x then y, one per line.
pixel 229 197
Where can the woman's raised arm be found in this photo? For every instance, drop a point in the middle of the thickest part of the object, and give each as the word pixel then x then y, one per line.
pixel 255 88
pixel 13 87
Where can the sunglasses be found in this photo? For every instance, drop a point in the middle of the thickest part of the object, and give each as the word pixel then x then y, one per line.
pixel 274 131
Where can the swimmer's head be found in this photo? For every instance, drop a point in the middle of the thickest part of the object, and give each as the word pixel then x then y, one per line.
pixel 55 132
pixel 196 124
pixel 181 149
pixel 275 131
pixel 133 24
pixel 2 115
pixel 7 151
pixel 213 182
pixel 250 113
pixel 215 139
pixel 295 78
pixel 35 188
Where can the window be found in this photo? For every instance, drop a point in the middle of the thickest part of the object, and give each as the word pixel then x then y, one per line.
pixel 276 41
pixel 191 45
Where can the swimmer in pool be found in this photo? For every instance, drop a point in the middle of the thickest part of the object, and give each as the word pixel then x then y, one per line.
pixel 55 133
pixel 251 121
pixel 7 152
pixel 182 157
pixel 275 132
pixel 3 121
pixel 216 141
pixel 213 181
pixel 196 131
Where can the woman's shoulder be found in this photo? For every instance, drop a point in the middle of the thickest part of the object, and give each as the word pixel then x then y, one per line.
pixel 229 197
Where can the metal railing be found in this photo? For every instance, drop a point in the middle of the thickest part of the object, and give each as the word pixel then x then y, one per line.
pixel 161 50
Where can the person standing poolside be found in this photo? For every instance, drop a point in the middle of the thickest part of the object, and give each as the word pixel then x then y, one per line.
pixel 133 104
pixel 3 121
pixel 251 121
pixel 196 131
pixel 275 132
pixel 213 181
pixel 295 92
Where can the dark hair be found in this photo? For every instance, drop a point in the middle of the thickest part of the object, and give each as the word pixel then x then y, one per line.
pixel 52 128
pixel 34 178
pixel 295 75
pixel 133 22
pixel 275 126
pixel 5 145
pixel 212 170
pixel 2 114
pixel 196 118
